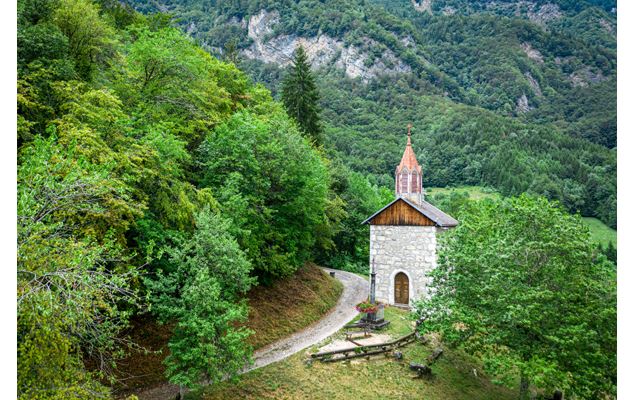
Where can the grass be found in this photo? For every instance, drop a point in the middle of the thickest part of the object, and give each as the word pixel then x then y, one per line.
pixel 601 233
pixel 290 305
pixel 400 322
pixel 274 312
pixel 474 192
pixel 455 377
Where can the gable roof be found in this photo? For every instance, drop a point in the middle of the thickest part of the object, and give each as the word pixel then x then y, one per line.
pixel 426 209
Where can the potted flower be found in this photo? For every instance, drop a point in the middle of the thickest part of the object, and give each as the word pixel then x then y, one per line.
pixel 366 307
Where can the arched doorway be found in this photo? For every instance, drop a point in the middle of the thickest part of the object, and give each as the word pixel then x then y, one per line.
pixel 402 289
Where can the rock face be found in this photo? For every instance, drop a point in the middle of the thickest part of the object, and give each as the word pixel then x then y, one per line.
pixel 321 50
pixel 585 76
pixel 608 26
pixel 522 105
pixel 422 5
pixel 535 87
pixel 408 249
pixel 532 53
pixel 448 10
pixel 546 12
pixel 541 15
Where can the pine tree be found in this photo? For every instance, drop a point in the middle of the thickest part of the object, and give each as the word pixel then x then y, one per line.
pixel 230 51
pixel 300 96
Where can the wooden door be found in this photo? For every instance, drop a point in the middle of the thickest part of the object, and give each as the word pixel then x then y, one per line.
pixel 401 288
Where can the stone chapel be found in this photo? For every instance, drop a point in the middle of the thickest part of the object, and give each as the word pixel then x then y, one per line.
pixel 403 236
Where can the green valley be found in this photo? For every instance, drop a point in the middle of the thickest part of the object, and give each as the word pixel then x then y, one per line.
pixel 186 167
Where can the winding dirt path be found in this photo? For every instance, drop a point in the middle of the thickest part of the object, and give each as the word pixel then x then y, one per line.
pixel 355 291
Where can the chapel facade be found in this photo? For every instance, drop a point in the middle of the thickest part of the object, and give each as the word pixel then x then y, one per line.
pixel 403 237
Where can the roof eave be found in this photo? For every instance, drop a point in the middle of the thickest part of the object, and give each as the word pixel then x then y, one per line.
pixel 433 219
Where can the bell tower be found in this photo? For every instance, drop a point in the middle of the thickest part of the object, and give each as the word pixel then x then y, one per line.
pixel 408 175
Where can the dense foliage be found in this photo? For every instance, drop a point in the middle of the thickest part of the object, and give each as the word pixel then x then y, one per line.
pixel 73 278
pixel 520 283
pixel 472 65
pixel 271 183
pixel 201 292
pixel 152 176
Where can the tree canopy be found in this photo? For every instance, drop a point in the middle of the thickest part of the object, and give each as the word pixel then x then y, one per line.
pixel 200 291
pixel 272 184
pixel 151 177
pixel 520 283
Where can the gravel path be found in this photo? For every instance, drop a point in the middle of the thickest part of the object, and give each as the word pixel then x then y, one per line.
pixel 355 291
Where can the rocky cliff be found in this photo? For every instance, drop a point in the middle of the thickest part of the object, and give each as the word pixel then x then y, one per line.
pixel 322 50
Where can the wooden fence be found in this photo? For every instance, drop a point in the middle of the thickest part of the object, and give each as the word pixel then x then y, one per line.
pixel 364 351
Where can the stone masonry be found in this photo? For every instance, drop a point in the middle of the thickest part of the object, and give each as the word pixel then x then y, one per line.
pixel 403 236
pixel 407 249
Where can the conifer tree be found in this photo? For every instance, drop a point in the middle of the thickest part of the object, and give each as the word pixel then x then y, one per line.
pixel 300 96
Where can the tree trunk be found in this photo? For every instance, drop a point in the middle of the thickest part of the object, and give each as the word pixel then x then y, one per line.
pixel 524 386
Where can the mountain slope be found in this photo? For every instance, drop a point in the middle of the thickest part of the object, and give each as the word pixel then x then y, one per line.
pixel 507 94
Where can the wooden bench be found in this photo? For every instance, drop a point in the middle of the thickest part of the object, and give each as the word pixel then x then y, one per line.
pixel 352 334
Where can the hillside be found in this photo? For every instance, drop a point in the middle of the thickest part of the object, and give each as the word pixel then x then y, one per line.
pixel 149 188
pixel 456 376
pixel 312 291
pixel 451 197
pixel 519 96
pixel 162 188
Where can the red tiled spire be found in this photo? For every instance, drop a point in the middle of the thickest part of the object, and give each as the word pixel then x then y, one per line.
pixel 409 160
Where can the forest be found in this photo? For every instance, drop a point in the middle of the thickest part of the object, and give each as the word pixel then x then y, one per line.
pixel 161 173
pixel 468 71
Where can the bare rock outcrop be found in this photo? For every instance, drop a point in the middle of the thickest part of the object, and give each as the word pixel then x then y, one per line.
pixel 546 12
pixel 532 53
pixel 522 105
pixel 448 10
pixel 540 15
pixel 533 83
pixel 422 5
pixel 608 26
pixel 585 76
pixel 322 50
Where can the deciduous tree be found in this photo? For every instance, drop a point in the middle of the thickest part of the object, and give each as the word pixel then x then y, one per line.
pixel 200 292
pixel 518 284
pixel 272 184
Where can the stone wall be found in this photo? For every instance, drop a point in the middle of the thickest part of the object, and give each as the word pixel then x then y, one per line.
pixel 408 249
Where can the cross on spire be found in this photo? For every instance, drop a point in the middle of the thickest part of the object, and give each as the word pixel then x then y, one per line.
pixel 409 126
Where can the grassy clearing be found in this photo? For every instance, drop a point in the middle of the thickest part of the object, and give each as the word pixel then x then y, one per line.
pixel 274 312
pixel 474 192
pixel 400 323
pixel 379 378
pixel 601 233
